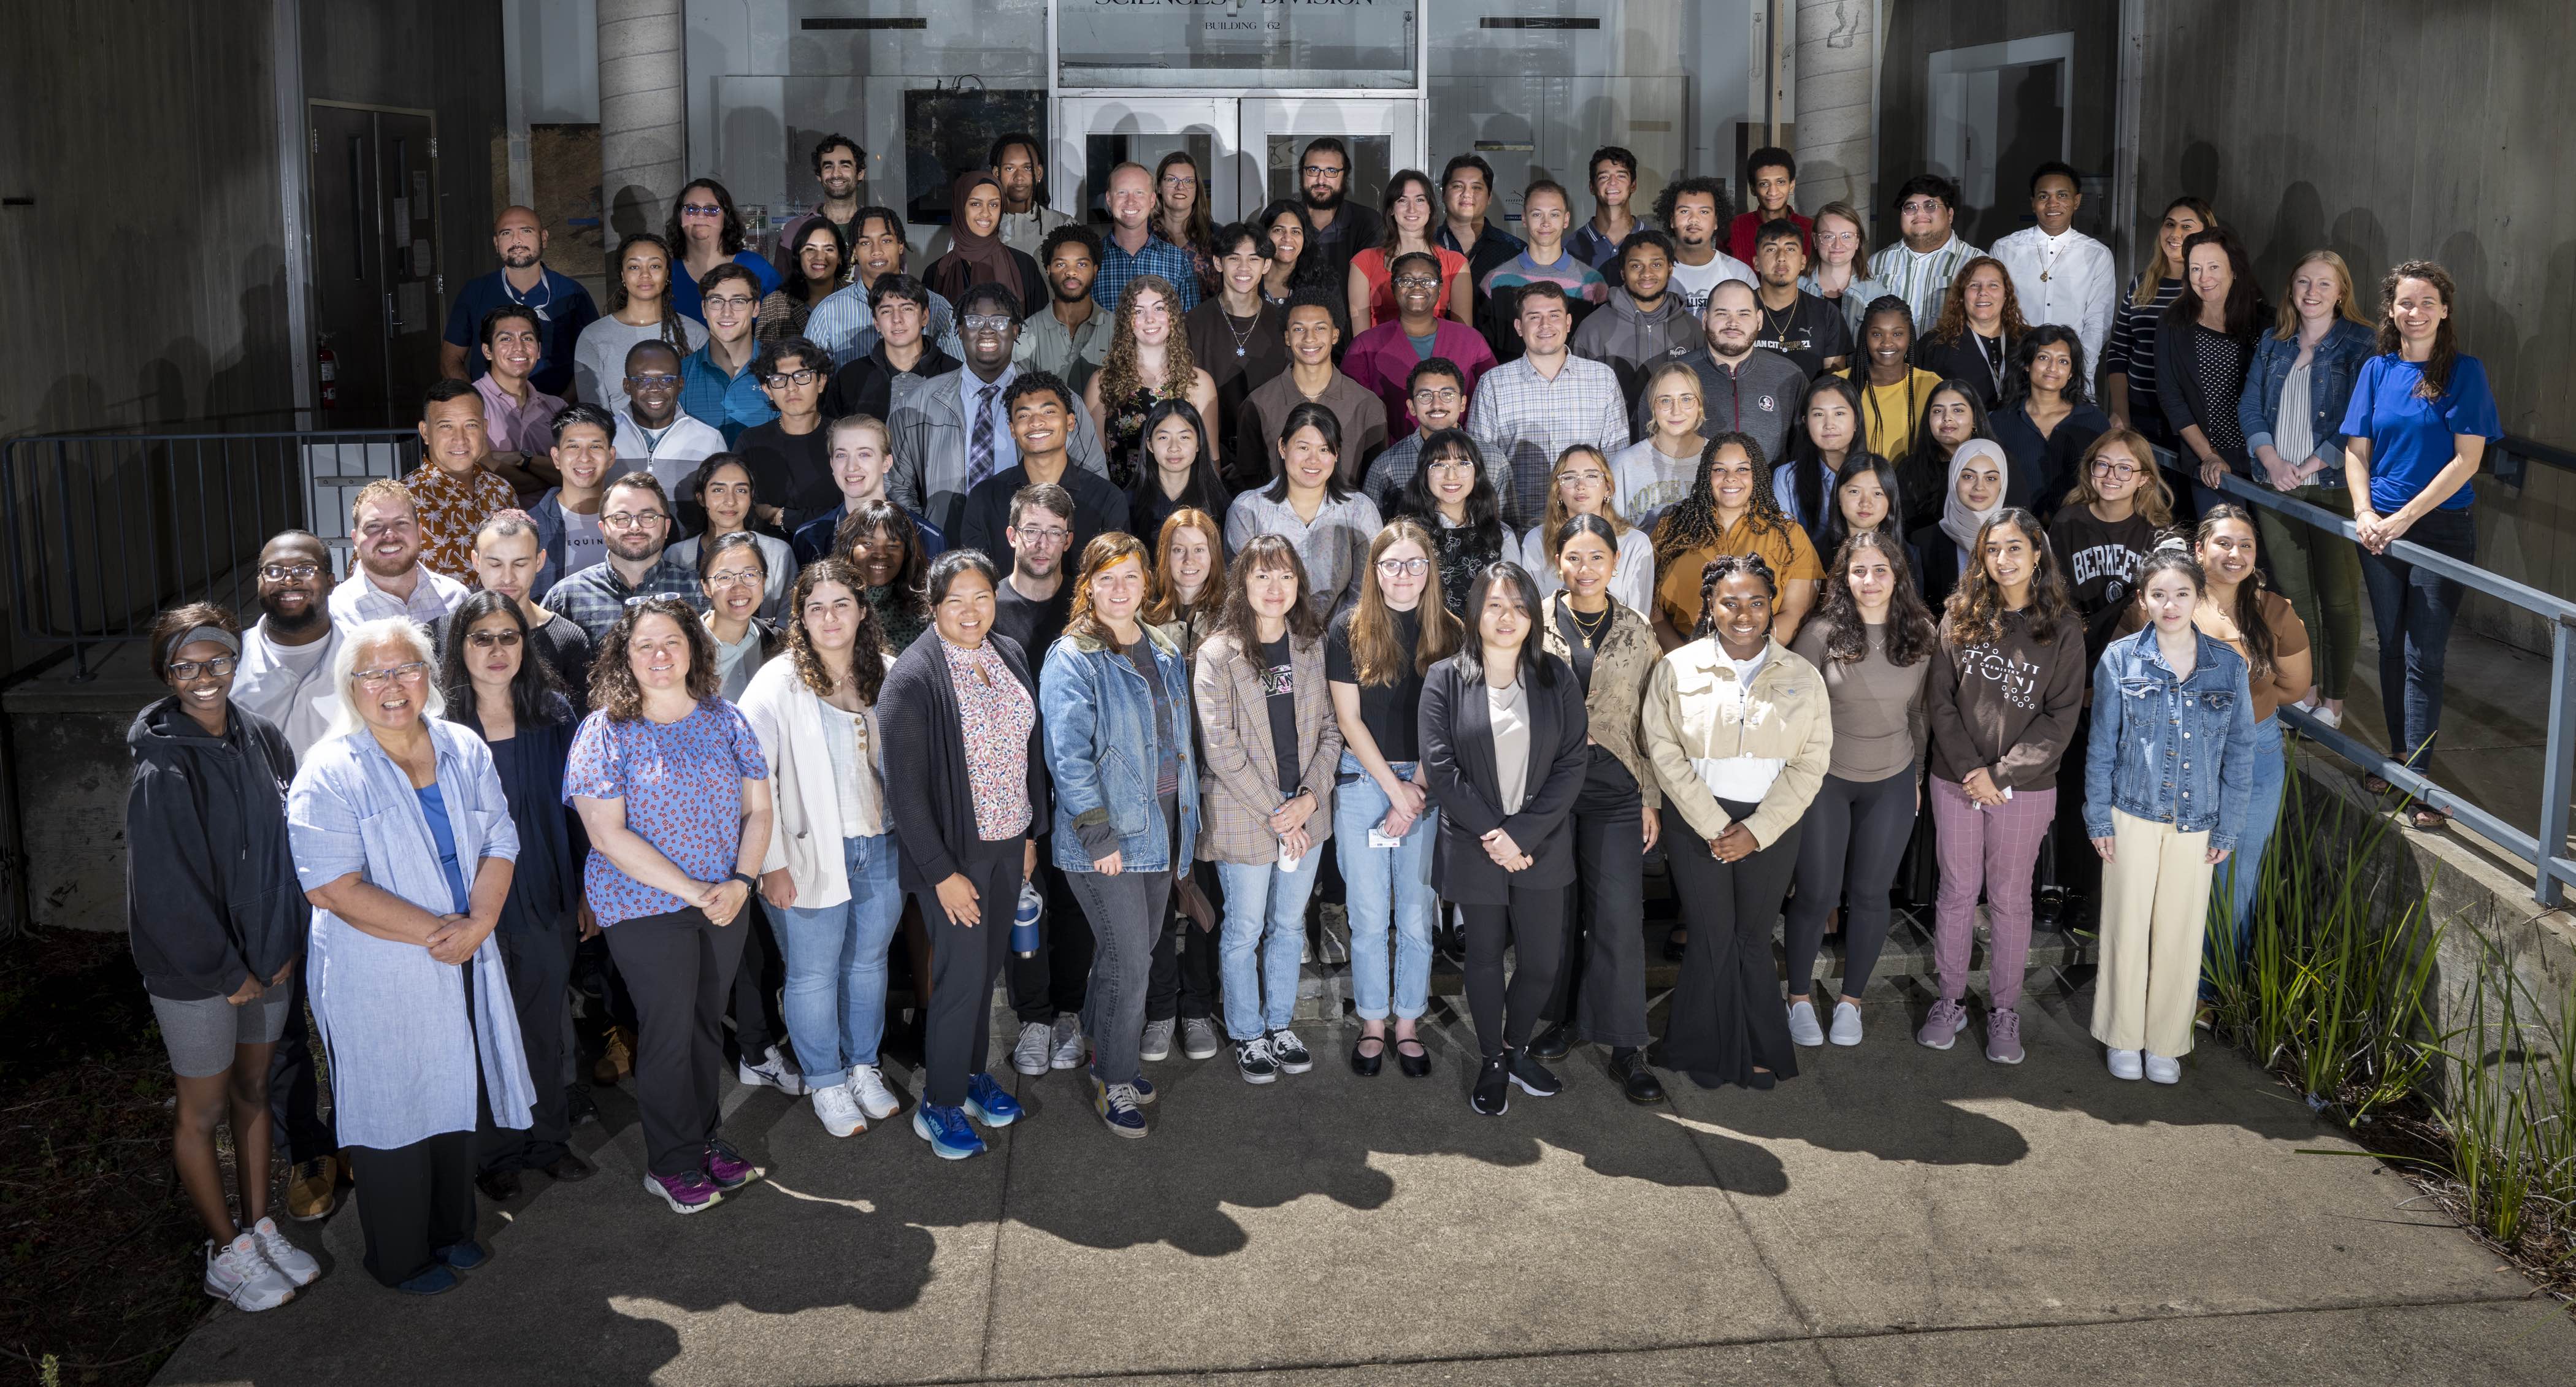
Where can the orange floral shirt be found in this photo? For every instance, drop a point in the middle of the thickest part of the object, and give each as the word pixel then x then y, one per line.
pixel 450 509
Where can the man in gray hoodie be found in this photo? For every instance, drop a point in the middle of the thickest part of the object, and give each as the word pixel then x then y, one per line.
pixel 1644 324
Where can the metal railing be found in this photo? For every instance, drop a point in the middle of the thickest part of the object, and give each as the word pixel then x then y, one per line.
pixel 104 530
pixel 2544 849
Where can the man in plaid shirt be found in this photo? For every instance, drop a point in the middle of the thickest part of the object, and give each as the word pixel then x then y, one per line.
pixel 1133 249
pixel 1528 411
pixel 635 519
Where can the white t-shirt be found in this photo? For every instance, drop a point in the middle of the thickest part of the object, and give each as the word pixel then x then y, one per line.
pixel 289 685
pixel 584 544
pixel 1646 483
pixel 1696 282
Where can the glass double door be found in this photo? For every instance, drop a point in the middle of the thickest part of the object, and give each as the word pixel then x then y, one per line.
pixel 1249 149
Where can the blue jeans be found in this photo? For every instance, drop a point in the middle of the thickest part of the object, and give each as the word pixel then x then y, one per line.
pixel 1265 910
pixel 2231 892
pixel 1387 887
pixel 842 949
pixel 2413 609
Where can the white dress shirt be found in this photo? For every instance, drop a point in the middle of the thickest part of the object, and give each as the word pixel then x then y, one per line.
pixel 2065 279
pixel 358 599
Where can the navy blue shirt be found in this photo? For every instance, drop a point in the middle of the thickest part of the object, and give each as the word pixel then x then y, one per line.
pixel 563 309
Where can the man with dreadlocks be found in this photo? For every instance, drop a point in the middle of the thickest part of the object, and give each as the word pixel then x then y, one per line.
pixel 1730 510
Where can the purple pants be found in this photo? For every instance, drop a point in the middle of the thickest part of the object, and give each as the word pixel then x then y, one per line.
pixel 1993 849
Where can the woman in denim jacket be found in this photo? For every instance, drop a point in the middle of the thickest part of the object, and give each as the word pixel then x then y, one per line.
pixel 2166 779
pixel 1114 701
pixel 2292 414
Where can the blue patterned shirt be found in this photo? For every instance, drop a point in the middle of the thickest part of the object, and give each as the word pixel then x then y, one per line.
pixel 1159 257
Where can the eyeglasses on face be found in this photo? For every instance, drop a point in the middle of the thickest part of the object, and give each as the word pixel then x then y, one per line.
pixel 492 640
pixel 700 209
pixel 1403 568
pixel 632 520
pixel 733 301
pixel 656 381
pixel 1052 534
pixel 986 322
pixel 186 670
pixel 284 572
pixel 780 380
pixel 737 577
pixel 407 671
pixel 2116 471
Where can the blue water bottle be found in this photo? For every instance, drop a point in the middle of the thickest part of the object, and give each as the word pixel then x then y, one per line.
pixel 1024 921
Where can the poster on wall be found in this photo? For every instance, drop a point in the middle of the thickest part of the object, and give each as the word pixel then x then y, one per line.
pixel 947 132
pixel 1339 43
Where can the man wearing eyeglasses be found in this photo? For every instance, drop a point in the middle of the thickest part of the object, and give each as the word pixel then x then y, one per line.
pixel 653 435
pixel 1133 249
pixel 1043 415
pixel 717 385
pixel 790 457
pixel 950 432
pixel 635 518
pixel 384 528
pixel 1919 268
pixel 1436 391
pixel 865 383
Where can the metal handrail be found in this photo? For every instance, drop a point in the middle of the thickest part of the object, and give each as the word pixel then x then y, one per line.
pixel 2546 849
pixel 103 530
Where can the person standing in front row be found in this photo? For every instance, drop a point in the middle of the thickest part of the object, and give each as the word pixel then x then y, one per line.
pixel 1272 750
pixel 2007 679
pixel 2155 694
pixel 965 802
pixel 1115 709
pixel 391 818
pixel 1741 734
pixel 2420 421
pixel 671 786
pixel 1505 752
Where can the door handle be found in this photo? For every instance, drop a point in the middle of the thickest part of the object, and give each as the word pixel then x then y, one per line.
pixel 393 319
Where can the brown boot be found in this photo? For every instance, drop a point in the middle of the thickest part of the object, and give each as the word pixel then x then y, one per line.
pixel 617 1060
pixel 314 1190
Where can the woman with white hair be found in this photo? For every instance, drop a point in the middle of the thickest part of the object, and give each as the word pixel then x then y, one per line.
pixel 405 847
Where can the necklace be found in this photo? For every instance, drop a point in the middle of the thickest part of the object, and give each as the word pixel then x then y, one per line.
pixel 1592 626
pixel 1244 338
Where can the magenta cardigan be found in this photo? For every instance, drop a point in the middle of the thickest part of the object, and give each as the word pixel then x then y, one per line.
pixel 1380 358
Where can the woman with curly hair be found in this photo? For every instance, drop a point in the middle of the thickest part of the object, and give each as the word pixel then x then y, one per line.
pixel 2007 679
pixel 1872 641
pixel 671 785
pixel 1731 509
pixel 1740 736
pixel 1979 329
pixel 883 548
pixel 1149 362
pixel 829 874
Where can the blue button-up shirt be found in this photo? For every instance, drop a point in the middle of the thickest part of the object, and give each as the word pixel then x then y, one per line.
pixel 727 403
pixel 845 326
pixel 1159 257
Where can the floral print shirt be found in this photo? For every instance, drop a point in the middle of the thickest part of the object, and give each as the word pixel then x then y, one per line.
pixel 996 715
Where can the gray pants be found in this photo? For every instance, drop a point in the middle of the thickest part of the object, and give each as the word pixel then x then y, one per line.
pixel 1126 913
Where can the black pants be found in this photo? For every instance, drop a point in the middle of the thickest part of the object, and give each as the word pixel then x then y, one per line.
pixel 757 1024
pixel 1727 1018
pixel 1849 845
pixel 414 1200
pixel 679 968
pixel 540 966
pixel 963 963
pixel 1184 979
pixel 1601 981
pixel 301 1131
pixel 1533 926
pixel 1056 980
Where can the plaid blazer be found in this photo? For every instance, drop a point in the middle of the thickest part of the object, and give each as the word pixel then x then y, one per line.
pixel 1239 787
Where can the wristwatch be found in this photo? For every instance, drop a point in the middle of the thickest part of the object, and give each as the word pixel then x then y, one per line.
pixel 750 882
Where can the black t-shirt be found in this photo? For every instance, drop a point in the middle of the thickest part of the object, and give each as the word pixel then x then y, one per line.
pixel 791 471
pixel 1279 686
pixel 1807 332
pixel 1033 622
pixel 1390 712
pixel 2101 560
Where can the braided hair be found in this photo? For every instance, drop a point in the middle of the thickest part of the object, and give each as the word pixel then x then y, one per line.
pixel 1693 523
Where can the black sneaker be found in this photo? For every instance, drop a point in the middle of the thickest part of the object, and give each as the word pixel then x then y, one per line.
pixel 1289 1053
pixel 1493 1092
pixel 1252 1057
pixel 1533 1077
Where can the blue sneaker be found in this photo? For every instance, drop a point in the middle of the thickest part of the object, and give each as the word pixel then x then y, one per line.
pixel 1116 1104
pixel 464 1256
pixel 988 1103
pixel 946 1130
pixel 1144 1089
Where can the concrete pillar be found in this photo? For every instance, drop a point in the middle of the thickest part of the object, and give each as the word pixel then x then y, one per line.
pixel 643 114
pixel 1837 47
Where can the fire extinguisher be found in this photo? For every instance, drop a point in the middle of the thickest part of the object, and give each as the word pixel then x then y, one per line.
pixel 327 372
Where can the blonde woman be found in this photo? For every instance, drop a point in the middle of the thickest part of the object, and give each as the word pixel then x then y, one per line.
pixel 1149 362
pixel 1582 486
pixel 1653 474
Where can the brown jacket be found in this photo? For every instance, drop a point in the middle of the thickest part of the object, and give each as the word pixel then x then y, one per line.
pixel 1240 788
pixel 2008 707
pixel 1621 669
pixel 1786 717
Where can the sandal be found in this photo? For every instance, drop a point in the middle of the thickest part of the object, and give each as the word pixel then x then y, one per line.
pixel 2425 820
pixel 2374 784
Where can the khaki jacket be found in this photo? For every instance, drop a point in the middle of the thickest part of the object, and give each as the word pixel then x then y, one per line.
pixel 1240 764
pixel 1621 670
pixel 1786 717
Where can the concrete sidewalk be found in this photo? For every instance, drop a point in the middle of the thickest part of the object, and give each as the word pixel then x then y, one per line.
pixel 1892 1215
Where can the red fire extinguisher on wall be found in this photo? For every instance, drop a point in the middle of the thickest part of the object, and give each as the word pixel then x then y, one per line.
pixel 327 373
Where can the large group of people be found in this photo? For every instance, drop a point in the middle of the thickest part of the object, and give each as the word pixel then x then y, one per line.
pixel 1076 613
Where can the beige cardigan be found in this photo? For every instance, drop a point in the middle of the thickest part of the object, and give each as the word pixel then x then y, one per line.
pixel 787 716
pixel 1786 717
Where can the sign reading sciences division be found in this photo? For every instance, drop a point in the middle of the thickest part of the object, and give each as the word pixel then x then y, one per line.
pixel 1237 43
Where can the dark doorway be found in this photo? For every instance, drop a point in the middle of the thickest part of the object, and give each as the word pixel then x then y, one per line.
pixel 377 301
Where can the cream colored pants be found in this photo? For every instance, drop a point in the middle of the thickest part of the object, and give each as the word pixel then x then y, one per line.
pixel 2155 907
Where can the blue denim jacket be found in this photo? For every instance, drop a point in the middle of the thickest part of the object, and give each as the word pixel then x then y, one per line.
pixel 2331 374
pixel 1102 743
pixel 2178 753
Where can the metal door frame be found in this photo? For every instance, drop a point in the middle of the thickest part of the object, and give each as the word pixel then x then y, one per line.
pixel 312 285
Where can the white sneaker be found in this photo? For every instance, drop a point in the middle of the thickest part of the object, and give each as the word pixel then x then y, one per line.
pixel 241 1278
pixel 1802 1024
pixel 1198 1038
pixel 838 1110
pixel 2124 1064
pixel 1846 1030
pixel 773 1071
pixel 868 1085
pixel 1157 1041
pixel 2161 1070
pixel 2328 716
pixel 1030 1055
pixel 298 1264
pixel 1068 1043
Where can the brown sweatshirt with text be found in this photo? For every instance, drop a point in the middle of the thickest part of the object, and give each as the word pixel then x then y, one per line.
pixel 2007 705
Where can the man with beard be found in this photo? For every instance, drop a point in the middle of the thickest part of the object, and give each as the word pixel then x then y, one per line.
pixel 1342 228
pixel 949 432
pixel 562 307
pixel 1644 324
pixel 451 491
pixel 1043 412
pixel 384 529
pixel 1694 210
pixel 1071 338
pixel 842 168
pixel 636 518
pixel 1743 388
pixel 284 676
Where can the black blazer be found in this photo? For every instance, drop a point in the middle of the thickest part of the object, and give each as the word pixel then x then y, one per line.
pixel 1962 360
pixel 934 808
pixel 1457 737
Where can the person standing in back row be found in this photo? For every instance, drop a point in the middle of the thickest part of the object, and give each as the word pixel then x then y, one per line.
pixel 1771 175
pixel 1693 211
pixel 2060 274
pixel 1921 267
pixel 557 303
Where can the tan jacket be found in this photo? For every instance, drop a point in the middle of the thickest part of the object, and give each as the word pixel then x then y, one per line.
pixel 1786 717
pixel 1621 669
pixel 1239 788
